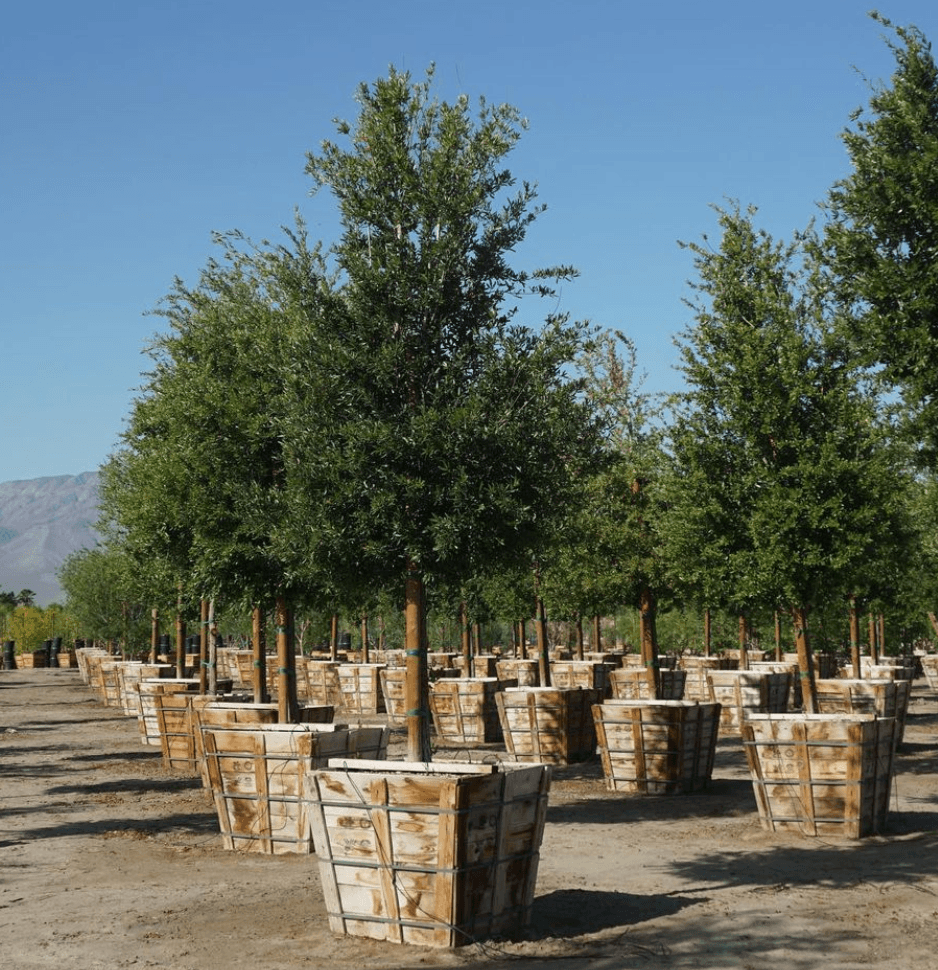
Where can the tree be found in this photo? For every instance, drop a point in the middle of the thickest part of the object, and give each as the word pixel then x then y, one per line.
pixel 198 493
pixel 25 597
pixel 434 435
pixel 882 238
pixel 785 491
pixel 102 595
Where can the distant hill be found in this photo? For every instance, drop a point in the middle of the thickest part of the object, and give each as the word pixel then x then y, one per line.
pixel 42 521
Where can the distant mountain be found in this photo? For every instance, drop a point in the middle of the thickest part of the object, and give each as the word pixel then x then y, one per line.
pixel 42 521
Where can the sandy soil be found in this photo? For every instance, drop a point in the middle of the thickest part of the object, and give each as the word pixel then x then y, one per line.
pixel 108 860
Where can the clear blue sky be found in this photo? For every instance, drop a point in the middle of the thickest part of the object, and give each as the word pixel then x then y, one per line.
pixel 131 130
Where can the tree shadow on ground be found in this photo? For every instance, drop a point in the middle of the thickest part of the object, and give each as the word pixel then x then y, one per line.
pixel 200 824
pixel 567 913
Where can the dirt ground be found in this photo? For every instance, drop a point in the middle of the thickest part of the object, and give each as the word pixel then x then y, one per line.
pixel 108 860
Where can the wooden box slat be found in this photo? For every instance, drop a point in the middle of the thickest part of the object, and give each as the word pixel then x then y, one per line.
pixel 549 725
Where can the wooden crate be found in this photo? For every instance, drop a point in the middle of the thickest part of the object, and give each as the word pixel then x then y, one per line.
pixel 744 692
pixel 638 683
pixel 435 855
pixel 360 687
pixel 256 774
pixel 108 683
pixel 657 747
pixel 795 697
pixel 129 676
pixel 394 686
pixel 547 724
pixel 322 682
pixel 464 709
pixel 83 656
pixel 581 673
pixel 929 663
pixel 525 673
pixel 696 686
pixel 821 774
pixel 148 689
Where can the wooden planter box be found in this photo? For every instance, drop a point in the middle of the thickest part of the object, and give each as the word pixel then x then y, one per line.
pixel 393 687
pixel 322 682
pixel 129 676
pixel 256 775
pixel 929 663
pixel 148 689
pixel 178 721
pixel 464 709
pixel 821 774
pixel 525 673
pixel 745 692
pixel 547 724
pixel 568 674
pixel 657 747
pixel 795 698
pixel 697 686
pixel 435 855
pixel 638 683
pixel 360 687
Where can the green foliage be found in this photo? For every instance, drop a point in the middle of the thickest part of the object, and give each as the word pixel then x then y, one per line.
pixel 785 492
pixel 882 239
pixel 429 429
pixel 102 596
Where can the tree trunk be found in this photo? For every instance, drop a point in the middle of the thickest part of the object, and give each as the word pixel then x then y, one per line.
pixel 287 706
pixel 416 688
pixel 212 650
pixel 334 638
pixel 579 638
pixel 522 641
pixel 648 636
pixel 855 638
pixel 707 633
pixel 778 637
pixel 543 655
pixel 366 655
pixel 465 639
pixel 597 638
pixel 743 637
pixel 259 649
pixel 203 646
pixel 154 635
pixel 180 641
pixel 882 633
pixel 799 616
pixel 874 655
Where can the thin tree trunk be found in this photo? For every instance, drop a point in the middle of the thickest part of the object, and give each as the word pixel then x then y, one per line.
pixel 465 639
pixel 334 638
pixel 416 687
pixel 543 654
pixel 648 636
pixel 212 650
pixel 874 655
pixel 597 638
pixel 286 664
pixel 805 659
pixel 882 633
pixel 707 633
pixel 154 635
pixel 180 637
pixel 855 638
pixel 522 641
pixel 477 639
pixel 203 646
pixel 743 651
pixel 259 649
pixel 365 652
pixel 778 637
pixel 579 637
